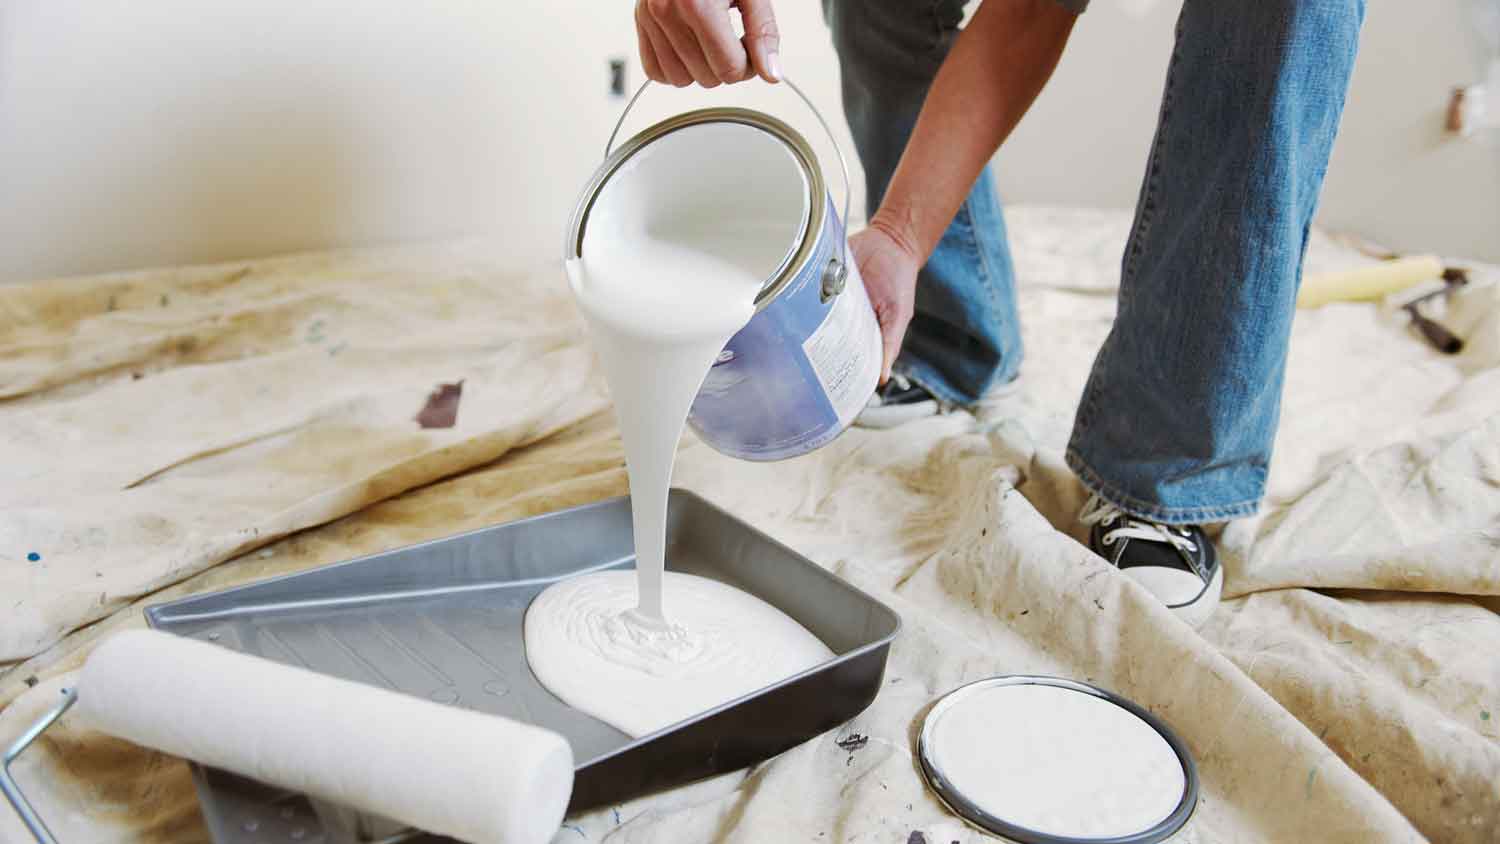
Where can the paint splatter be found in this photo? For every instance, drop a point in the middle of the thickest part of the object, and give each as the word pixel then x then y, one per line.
pixel 34 557
pixel 1484 715
pixel 441 408
pixel 315 331
pixel 852 742
pixel 1311 775
pixel 165 300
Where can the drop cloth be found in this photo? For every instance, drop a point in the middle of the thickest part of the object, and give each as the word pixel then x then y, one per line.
pixel 175 431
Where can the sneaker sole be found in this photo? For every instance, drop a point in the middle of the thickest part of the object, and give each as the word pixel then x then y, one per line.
pixel 1197 613
pixel 894 416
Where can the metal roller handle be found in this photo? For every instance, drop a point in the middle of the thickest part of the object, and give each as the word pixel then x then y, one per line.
pixel 609 145
pixel 8 785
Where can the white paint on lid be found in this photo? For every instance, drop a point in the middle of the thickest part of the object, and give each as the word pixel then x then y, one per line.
pixel 1054 760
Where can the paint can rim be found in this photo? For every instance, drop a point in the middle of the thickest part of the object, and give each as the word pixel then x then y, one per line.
pixel 974 815
pixel 815 201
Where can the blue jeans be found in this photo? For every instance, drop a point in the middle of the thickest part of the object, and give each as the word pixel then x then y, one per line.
pixel 1178 417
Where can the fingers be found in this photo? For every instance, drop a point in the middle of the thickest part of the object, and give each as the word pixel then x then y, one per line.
pixel 694 41
pixel 649 64
pixel 762 40
pixel 724 53
pixel 683 41
pixel 889 276
pixel 671 69
pixel 893 320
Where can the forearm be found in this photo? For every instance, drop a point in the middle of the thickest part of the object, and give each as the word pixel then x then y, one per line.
pixel 995 70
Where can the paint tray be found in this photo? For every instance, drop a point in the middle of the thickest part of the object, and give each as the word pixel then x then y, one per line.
pixel 442 620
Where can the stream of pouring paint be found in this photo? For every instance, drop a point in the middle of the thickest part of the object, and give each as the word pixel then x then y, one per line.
pixel 677 247
pixel 659 313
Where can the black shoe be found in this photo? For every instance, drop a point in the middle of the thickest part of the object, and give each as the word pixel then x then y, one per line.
pixel 1176 563
pixel 899 401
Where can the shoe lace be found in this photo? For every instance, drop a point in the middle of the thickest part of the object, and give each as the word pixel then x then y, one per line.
pixel 1100 512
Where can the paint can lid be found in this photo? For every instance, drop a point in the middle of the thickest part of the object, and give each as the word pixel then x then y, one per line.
pixel 1045 760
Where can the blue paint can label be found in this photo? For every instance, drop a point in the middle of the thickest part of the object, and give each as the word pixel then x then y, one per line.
pixel 799 372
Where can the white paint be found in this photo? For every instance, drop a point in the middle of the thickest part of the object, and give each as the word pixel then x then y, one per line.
pixel 656 341
pixel 453 771
pixel 1057 761
pixel 677 245
pixel 588 646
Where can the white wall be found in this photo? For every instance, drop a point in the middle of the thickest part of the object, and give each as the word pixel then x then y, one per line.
pixel 1395 176
pixel 163 131
pixel 1086 138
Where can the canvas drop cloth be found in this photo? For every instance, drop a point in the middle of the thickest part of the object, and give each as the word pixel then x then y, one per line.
pixel 184 430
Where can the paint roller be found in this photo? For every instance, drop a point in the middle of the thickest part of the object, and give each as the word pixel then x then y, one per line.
pixel 476 777
pixel 1391 276
pixel 1367 283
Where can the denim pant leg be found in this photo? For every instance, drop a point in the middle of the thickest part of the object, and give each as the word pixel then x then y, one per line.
pixel 1177 421
pixel 964 335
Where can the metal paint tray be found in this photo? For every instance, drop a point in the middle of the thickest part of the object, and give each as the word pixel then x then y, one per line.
pixel 442 620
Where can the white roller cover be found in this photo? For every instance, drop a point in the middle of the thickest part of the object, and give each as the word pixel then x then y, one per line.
pixel 1368 282
pixel 475 777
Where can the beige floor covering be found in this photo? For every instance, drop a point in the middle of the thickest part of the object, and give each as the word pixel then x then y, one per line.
pixel 183 430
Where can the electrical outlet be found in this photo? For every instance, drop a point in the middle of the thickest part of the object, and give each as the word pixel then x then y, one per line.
pixel 617 77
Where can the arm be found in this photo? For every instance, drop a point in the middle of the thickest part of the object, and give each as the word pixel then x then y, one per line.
pixel 995 70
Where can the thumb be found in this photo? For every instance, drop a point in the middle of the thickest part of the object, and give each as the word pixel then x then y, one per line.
pixel 762 39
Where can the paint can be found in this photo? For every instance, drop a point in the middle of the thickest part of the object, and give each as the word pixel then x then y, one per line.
pixel 807 362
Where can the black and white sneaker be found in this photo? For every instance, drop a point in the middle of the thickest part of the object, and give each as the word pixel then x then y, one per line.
pixel 897 402
pixel 1176 563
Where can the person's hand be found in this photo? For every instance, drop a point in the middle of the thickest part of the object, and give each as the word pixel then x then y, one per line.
pixel 889 268
pixel 687 41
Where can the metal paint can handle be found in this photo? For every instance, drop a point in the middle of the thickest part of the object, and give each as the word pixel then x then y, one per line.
pixel 831 288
